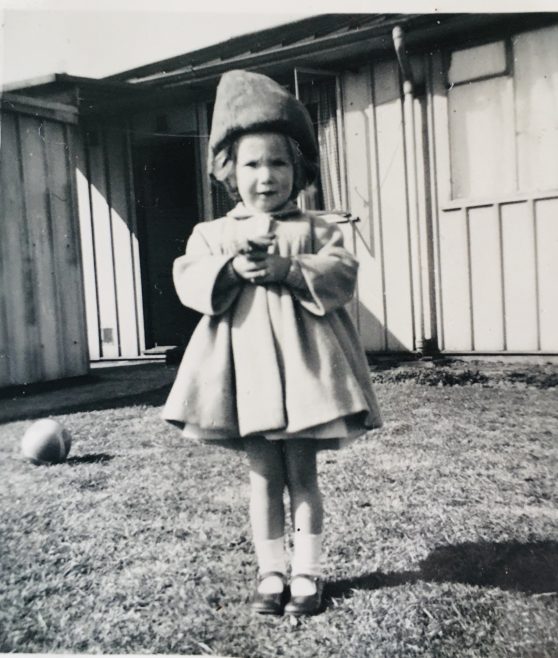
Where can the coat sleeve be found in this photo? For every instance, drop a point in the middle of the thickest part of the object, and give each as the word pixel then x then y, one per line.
pixel 201 277
pixel 329 273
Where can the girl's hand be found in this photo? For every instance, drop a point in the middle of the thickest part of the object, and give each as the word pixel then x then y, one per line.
pixel 260 243
pixel 275 269
pixel 249 266
pixel 261 268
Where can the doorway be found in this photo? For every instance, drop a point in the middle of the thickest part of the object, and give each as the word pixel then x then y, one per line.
pixel 165 176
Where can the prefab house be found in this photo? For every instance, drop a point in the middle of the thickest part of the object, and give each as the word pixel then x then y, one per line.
pixel 438 141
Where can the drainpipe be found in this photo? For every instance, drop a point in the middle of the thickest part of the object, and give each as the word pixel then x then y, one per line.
pixel 404 64
pixel 423 344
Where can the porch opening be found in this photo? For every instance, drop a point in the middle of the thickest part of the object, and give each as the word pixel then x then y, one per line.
pixel 165 181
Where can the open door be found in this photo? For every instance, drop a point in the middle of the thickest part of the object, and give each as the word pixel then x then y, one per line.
pixel 167 210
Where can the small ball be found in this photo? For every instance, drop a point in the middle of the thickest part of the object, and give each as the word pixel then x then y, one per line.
pixel 46 442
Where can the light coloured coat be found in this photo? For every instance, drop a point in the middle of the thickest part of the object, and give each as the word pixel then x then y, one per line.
pixel 275 360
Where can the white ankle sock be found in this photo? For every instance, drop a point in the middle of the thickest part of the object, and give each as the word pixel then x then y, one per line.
pixel 270 554
pixel 301 586
pixel 307 554
pixel 271 585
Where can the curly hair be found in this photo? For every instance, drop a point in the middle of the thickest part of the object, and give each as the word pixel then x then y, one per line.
pixel 224 164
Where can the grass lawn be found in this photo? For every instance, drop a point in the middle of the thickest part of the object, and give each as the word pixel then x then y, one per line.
pixel 441 529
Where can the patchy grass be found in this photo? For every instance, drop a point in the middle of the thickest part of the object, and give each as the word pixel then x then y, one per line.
pixel 457 372
pixel 441 532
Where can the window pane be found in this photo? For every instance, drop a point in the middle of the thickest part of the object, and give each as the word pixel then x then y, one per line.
pixel 478 62
pixel 536 89
pixel 482 153
pixel 319 96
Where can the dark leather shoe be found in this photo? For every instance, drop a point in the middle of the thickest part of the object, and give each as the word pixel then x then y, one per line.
pixel 306 605
pixel 269 604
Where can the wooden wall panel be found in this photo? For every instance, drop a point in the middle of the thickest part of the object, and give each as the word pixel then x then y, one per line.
pixel 359 129
pixel 536 94
pixel 66 249
pixel 546 214
pixel 103 245
pixel 454 277
pixel 481 134
pixel 394 206
pixel 41 236
pixel 87 248
pixel 42 323
pixel 520 282
pixel 486 279
pixel 122 231
pixel 58 204
pixel 134 236
pixel 17 289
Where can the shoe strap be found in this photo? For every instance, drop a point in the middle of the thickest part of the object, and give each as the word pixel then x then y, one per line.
pixel 314 579
pixel 269 574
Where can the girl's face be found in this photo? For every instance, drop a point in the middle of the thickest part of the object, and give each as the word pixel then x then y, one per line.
pixel 264 171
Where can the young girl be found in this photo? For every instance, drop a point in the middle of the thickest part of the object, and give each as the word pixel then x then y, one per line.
pixel 275 366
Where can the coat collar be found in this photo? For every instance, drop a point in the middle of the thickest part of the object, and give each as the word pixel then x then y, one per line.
pixel 241 212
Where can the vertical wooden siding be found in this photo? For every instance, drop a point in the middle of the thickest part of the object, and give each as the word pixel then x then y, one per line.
pixel 377 176
pixel 481 277
pixel 110 243
pixel 496 256
pixel 111 251
pixel 42 318
pixel 498 272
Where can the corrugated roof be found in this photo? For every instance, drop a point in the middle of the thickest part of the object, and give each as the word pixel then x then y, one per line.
pixel 324 39
pixel 307 33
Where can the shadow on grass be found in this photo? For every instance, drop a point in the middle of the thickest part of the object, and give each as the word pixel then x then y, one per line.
pixel 529 568
pixel 98 458
pixel 152 398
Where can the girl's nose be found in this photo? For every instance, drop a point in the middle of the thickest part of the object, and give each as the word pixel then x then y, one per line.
pixel 264 173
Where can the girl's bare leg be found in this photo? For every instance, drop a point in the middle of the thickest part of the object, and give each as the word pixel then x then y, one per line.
pixel 267 514
pixel 302 481
pixel 306 511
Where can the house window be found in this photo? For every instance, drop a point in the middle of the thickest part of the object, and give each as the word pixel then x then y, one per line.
pixel 318 91
pixel 536 108
pixel 475 63
pixel 480 106
pixel 503 126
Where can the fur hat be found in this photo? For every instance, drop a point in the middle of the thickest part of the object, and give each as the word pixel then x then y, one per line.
pixel 248 102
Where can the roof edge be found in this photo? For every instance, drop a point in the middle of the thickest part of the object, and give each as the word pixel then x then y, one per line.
pixel 215 50
pixel 60 79
pixel 29 82
pixel 196 73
